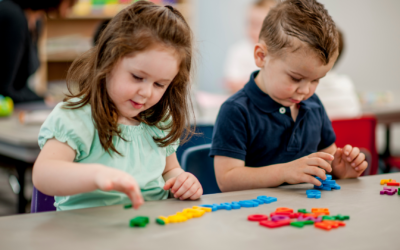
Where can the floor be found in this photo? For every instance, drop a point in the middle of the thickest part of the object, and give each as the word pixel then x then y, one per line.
pixel 8 199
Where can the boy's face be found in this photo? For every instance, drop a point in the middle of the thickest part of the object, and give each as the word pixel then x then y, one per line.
pixel 291 77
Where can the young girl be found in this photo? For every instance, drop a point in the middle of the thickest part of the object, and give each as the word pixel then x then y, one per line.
pixel 116 138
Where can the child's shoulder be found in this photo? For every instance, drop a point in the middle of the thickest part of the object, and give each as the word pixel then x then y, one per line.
pixel 66 109
pixel 239 99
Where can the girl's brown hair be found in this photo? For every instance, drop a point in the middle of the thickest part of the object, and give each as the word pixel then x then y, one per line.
pixel 306 20
pixel 135 29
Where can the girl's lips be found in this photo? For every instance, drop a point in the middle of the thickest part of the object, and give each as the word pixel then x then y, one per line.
pixel 136 105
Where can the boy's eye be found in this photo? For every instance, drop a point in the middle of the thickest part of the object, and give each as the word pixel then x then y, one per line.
pixel 137 78
pixel 295 79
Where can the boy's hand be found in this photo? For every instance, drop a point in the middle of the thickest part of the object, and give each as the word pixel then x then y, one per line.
pixel 348 162
pixel 303 169
pixel 184 186
pixel 108 179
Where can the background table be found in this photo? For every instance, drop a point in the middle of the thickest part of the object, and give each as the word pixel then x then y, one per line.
pixel 387 115
pixel 373 223
pixel 19 146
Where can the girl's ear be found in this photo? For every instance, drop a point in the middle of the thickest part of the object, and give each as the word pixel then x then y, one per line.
pixel 260 53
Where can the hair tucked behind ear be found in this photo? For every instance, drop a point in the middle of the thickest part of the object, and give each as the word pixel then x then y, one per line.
pixel 136 29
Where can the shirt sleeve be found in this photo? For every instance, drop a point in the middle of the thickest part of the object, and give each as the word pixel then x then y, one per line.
pixel 72 126
pixel 328 136
pixel 230 132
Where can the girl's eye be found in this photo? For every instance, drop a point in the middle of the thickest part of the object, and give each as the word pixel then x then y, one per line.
pixel 159 85
pixel 137 78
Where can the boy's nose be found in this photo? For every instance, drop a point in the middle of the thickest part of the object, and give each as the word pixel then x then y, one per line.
pixel 304 88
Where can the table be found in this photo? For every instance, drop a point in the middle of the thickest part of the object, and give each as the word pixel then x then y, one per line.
pixel 19 146
pixel 373 223
pixel 386 115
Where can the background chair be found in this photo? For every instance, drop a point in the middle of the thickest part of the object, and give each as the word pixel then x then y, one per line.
pixel 41 202
pixel 196 161
pixel 361 133
pixel 204 137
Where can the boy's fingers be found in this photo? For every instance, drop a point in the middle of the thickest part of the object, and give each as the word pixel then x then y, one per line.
pixel 315 171
pixel 318 162
pixel 361 168
pixel 180 179
pixel 169 183
pixel 358 160
pixel 353 154
pixel 347 149
pixel 309 179
pixel 323 155
pixel 338 157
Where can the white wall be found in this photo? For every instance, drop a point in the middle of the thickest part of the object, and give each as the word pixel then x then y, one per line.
pixel 371 30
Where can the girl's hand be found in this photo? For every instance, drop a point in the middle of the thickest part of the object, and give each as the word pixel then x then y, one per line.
pixel 303 169
pixel 184 186
pixel 349 162
pixel 108 179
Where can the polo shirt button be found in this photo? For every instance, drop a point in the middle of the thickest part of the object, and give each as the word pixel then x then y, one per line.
pixel 282 110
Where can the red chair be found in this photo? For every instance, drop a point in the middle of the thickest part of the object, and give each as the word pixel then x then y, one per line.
pixel 359 132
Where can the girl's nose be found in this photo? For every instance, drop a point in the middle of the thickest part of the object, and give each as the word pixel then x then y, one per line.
pixel 146 89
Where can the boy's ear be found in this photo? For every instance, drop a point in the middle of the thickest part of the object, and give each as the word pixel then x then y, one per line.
pixel 260 52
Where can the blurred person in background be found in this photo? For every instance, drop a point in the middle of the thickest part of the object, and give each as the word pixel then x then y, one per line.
pixel 337 92
pixel 20 27
pixel 240 60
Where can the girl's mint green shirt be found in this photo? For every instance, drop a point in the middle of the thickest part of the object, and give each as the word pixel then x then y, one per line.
pixel 142 157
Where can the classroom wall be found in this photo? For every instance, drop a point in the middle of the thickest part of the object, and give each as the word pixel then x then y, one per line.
pixel 370 28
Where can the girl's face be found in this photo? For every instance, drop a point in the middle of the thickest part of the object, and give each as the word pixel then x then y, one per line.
pixel 291 77
pixel 137 82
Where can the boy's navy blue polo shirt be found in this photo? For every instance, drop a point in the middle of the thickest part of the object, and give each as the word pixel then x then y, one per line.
pixel 254 128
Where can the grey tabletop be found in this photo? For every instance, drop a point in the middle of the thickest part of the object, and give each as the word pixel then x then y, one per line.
pixel 373 223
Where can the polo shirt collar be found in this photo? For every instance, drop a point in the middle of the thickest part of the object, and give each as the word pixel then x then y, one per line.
pixel 264 102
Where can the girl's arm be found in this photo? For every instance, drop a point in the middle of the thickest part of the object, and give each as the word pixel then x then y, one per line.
pixel 233 175
pixel 55 173
pixel 183 185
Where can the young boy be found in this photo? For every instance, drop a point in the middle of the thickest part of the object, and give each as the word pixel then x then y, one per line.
pixel 275 129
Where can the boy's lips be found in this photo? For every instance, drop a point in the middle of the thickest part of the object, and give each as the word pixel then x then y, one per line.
pixel 136 105
pixel 295 101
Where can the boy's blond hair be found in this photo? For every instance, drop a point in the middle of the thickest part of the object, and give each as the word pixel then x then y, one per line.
pixel 306 20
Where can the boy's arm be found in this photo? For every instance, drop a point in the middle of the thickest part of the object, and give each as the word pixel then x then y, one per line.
pixel 233 175
pixel 55 173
